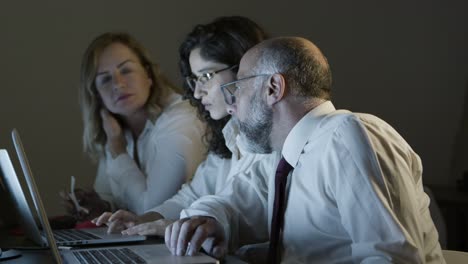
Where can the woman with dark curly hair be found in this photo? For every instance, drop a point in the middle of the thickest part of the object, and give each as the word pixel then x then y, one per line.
pixel 216 48
pixel 208 58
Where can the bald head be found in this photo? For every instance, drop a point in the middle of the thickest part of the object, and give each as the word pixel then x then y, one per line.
pixel 305 69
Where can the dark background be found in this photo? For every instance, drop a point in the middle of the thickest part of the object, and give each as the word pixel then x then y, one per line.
pixel 404 61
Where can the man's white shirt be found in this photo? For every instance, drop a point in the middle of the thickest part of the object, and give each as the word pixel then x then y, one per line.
pixel 355 195
pixel 213 174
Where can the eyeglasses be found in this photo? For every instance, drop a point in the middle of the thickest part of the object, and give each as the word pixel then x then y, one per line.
pixel 229 89
pixel 205 77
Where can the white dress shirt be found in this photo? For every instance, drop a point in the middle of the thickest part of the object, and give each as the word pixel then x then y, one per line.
pixel 355 195
pixel 212 175
pixel 169 151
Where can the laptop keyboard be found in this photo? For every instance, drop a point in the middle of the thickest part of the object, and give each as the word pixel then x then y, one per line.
pixel 111 255
pixel 68 235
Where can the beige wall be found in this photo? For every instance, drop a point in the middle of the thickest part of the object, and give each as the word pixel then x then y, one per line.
pixel 405 62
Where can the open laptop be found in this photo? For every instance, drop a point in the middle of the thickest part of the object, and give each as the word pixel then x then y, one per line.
pixel 63 237
pixel 155 253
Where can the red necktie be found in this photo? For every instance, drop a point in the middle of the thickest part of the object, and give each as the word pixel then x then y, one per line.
pixel 277 219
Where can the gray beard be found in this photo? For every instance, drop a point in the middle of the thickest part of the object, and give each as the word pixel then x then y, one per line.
pixel 256 129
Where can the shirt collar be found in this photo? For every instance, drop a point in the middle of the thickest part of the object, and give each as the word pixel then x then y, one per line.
pixel 300 133
pixel 149 125
pixel 230 133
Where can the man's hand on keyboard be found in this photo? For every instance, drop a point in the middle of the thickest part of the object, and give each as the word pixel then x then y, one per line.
pixel 186 236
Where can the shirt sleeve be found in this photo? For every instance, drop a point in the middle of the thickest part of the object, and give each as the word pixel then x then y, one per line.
pixel 242 206
pixel 376 195
pixel 101 184
pixel 205 182
pixel 177 150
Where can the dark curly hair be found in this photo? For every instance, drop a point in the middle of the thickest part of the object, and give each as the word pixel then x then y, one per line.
pixel 224 40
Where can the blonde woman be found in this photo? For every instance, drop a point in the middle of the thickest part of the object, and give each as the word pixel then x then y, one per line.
pixel 146 139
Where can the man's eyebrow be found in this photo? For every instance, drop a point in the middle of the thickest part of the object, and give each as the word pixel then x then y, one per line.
pixel 118 66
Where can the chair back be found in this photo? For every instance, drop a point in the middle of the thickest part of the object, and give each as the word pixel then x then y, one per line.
pixel 455 257
pixel 438 218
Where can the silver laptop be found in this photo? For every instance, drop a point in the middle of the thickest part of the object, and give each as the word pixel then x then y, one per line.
pixel 65 237
pixel 154 253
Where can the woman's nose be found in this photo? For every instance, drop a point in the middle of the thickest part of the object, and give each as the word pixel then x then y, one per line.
pixel 198 91
pixel 117 81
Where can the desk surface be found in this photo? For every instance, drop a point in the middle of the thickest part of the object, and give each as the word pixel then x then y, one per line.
pixel 455 257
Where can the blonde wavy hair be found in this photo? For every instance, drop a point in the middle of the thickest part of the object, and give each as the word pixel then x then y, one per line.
pixel 94 137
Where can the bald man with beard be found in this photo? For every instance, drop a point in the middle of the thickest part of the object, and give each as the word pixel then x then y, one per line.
pixel 353 190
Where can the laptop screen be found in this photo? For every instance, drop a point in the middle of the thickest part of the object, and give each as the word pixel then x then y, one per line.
pixel 18 195
pixel 35 196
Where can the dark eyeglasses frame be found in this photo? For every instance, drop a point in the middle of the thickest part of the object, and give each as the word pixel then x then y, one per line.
pixel 229 94
pixel 205 77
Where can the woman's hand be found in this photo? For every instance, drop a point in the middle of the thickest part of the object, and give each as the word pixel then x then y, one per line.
pixel 154 228
pixel 117 221
pixel 115 138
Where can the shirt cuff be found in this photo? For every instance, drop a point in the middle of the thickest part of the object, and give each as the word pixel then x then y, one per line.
pixel 222 220
pixel 168 210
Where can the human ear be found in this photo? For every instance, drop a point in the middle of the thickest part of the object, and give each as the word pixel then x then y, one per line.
pixel 150 81
pixel 275 88
pixel 148 70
